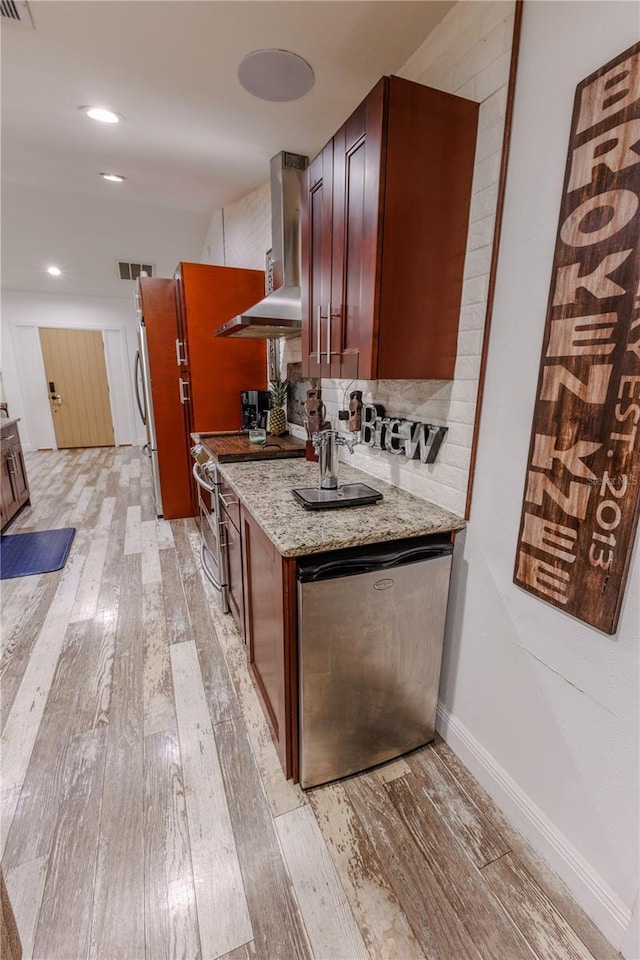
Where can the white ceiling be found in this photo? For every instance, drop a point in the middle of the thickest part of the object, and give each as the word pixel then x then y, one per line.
pixel 192 139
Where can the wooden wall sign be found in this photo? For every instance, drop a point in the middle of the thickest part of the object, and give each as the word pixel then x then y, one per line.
pixel 582 491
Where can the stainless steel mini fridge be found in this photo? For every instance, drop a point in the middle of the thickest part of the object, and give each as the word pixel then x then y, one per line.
pixel 371 628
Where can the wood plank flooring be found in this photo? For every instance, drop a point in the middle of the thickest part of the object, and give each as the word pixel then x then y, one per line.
pixel 144 812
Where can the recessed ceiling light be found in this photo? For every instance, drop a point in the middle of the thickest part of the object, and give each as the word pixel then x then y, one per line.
pixel 54 271
pixel 114 177
pixel 275 75
pixel 102 114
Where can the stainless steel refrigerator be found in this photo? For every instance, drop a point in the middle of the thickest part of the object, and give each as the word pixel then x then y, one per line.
pixel 142 384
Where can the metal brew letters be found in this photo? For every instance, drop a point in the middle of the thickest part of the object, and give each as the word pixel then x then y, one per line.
pixel 397 436
pixel 582 491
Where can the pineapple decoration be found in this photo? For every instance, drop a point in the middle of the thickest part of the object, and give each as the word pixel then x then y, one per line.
pixel 277 416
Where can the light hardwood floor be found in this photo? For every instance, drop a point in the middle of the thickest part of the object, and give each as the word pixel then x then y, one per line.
pixel 144 811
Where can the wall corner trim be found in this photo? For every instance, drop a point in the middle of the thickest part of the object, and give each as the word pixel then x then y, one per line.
pixel 593 894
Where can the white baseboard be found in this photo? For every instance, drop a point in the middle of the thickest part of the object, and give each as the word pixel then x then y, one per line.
pixel 595 897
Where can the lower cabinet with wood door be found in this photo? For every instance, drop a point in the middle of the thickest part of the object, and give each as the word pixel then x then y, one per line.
pixel 14 486
pixel 270 629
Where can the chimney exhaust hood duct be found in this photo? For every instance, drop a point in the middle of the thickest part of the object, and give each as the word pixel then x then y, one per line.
pixel 279 314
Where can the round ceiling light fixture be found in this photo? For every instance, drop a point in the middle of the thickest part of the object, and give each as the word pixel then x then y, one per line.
pixel 54 271
pixel 102 114
pixel 275 75
pixel 113 177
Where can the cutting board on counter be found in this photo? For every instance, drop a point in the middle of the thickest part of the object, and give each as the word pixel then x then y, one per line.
pixel 233 447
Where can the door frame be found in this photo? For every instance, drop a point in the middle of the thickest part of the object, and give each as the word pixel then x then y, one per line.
pixel 119 378
pixel 68 351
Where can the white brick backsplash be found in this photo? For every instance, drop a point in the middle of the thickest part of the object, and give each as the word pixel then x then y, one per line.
pixel 465 390
pixel 481 233
pixel 493 77
pixel 467 368
pixel 460 434
pixel 475 290
pixel 445 473
pixel 477 262
pixel 247 230
pixel 467 90
pixel 486 51
pixel 455 455
pixel 445 82
pixel 468 54
pixel 490 140
pixel 472 316
pixel 494 13
pixel 486 173
pixel 483 204
pixel 493 109
pixel 470 343
pixel 461 411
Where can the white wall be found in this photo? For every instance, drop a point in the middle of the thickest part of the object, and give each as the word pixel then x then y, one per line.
pixel 213 249
pixel 23 369
pixel 541 707
pixel 247 230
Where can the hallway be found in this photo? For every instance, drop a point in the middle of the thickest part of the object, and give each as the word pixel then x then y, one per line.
pixel 145 814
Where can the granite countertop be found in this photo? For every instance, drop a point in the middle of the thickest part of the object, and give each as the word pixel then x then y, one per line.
pixel 7 421
pixel 265 490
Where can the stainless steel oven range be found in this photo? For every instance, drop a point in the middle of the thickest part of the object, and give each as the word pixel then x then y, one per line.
pixel 213 545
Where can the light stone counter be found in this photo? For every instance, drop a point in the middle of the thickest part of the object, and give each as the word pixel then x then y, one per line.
pixel 265 490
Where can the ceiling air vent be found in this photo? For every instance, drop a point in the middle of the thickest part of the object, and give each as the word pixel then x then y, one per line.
pixel 16 11
pixel 131 271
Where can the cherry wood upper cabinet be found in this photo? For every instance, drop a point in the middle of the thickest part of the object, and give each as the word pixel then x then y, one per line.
pixel 384 237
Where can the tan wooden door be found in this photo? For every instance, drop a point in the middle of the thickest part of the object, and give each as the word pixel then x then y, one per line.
pixel 78 388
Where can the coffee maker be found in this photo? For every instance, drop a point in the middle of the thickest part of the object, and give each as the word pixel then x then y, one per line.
pixel 255 406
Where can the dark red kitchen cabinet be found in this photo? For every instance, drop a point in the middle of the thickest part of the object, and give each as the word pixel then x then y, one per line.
pixel 317 236
pixel 14 487
pixel 269 608
pixel 390 196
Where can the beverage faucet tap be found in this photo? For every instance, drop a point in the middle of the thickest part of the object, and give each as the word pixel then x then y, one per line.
pixel 325 443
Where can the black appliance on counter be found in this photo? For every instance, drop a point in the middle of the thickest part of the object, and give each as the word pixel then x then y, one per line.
pixel 255 408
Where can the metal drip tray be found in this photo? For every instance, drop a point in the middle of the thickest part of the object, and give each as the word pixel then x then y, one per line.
pixel 349 495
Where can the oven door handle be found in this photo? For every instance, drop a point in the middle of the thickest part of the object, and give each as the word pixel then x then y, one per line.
pixel 200 480
pixel 206 569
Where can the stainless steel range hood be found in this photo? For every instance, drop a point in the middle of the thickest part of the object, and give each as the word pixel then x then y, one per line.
pixel 279 314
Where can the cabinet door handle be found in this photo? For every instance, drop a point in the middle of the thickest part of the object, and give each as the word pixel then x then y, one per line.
pixel 12 457
pixel 227 503
pixel 11 437
pixel 180 359
pixel 318 328
pixel 328 333
pixel 184 398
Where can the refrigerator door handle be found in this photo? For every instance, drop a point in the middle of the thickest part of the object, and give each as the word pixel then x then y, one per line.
pixel 179 358
pixel 184 397
pixel 136 384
